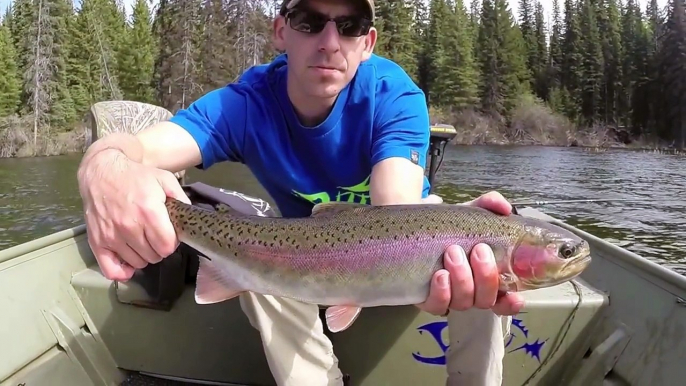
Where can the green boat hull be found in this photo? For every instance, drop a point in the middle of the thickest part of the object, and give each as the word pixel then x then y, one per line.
pixel 65 324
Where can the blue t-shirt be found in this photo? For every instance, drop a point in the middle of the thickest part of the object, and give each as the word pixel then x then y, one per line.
pixel 381 113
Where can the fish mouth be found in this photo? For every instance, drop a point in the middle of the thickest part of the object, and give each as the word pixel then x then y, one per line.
pixel 574 267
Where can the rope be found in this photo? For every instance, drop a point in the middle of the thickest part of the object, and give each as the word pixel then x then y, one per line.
pixel 568 323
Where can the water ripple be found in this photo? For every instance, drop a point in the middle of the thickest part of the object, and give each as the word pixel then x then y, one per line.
pixel 654 226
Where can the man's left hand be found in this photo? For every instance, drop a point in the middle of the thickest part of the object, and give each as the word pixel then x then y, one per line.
pixel 473 282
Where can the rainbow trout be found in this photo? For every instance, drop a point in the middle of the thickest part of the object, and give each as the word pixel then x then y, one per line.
pixel 349 256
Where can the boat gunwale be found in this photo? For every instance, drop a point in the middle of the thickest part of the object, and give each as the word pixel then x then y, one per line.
pixel 616 253
pixel 41 242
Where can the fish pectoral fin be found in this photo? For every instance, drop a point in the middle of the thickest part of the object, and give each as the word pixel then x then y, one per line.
pixel 327 208
pixel 209 286
pixel 339 318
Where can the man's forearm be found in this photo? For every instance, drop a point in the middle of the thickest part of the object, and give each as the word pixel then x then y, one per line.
pixel 126 143
pixel 164 145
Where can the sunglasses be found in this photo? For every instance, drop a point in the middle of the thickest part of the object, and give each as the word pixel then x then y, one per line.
pixel 314 22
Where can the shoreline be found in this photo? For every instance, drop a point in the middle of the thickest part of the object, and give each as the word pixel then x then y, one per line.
pixel 69 150
pixel 530 125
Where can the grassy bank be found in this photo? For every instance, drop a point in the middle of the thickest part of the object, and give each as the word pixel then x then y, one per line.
pixel 532 123
pixel 17 139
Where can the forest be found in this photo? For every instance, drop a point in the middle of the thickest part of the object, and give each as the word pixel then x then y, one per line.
pixel 596 73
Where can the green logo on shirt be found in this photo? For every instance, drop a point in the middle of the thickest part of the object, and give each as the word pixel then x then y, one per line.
pixel 355 194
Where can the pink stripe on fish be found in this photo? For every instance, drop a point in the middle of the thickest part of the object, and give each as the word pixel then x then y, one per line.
pixel 357 257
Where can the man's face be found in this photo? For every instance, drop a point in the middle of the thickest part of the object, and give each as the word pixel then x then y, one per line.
pixel 323 63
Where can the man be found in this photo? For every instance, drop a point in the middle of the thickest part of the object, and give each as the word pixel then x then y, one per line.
pixel 327 119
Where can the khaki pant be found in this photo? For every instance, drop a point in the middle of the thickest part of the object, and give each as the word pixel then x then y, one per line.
pixel 299 354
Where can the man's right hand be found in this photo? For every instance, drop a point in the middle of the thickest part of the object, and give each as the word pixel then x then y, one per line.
pixel 128 224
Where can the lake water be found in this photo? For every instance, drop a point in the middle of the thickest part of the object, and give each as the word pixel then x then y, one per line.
pixel 39 196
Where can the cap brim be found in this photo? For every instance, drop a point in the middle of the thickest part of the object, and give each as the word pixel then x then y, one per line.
pixel 370 3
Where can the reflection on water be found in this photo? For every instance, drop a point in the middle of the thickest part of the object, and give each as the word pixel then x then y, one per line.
pixel 39 196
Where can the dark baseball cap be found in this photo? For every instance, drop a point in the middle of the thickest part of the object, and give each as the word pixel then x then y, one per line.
pixel 287 5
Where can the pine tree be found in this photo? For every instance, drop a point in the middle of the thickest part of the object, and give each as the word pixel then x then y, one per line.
pixel 456 81
pixel 592 67
pixel 217 61
pixel 527 26
pixel 176 72
pixel 572 75
pixel 672 65
pixel 395 38
pixel 610 31
pixel 439 18
pixel 538 64
pixel 137 56
pixel 555 57
pixel 9 77
pixel 504 75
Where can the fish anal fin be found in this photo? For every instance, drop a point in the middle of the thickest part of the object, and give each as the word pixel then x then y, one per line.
pixel 332 207
pixel 339 318
pixel 210 287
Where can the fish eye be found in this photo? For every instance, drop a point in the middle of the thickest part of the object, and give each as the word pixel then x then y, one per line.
pixel 566 250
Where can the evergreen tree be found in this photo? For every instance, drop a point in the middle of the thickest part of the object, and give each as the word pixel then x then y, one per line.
pixel 504 75
pixel 137 56
pixel 610 32
pixel 396 34
pixel 592 65
pixel 457 77
pixel 672 66
pixel 572 62
pixel 10 86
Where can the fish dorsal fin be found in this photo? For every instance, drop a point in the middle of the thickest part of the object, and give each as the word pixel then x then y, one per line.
pixel 328 208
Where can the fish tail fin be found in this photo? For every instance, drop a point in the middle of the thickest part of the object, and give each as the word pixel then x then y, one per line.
pixel 210 287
